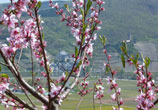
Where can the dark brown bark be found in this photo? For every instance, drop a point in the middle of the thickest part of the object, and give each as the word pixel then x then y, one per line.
pixel 54 106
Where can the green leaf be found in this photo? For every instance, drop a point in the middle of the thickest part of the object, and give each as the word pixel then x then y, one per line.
pixel 123 60
pixel 104 40
pixel 82 12
pixel 4 75
pixel 124 44
pixel 66 74
pixel 39 4
pixel 89 4
pixel 83 40
pixel 100 38
pixel 66 6
pixel 76 51
pixel 84 27
pixel 135 59
pixel 137 56
pixel 124 48
pixel 97 86
pixel 147 62
pixel 78 65
pixel 107 69
pixel 43 36
pixel 93 27
pixel 0 68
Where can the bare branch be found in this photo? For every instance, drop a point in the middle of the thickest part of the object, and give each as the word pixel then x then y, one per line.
pixel 32 65
pixel 4 64
pixel 24 84
pixel 67 91
pixel 19 57
pixel 44 54
pixel 28 98
pixel 9 93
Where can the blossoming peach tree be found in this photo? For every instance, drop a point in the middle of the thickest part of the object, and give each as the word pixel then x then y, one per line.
pixel 83 20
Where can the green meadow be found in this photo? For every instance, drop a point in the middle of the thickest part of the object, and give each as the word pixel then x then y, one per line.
pixel 128 93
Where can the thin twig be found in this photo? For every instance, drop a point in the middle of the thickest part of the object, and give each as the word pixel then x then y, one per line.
pixel 44 54
pixel 65 93
pixel 117 98
pixel 9 93
pixel 76 58
pixel 93 99
pixel 19 57
pixel 79 103
pixel 100 104
pixel 4 64
pixel 32 65
pixel 29 98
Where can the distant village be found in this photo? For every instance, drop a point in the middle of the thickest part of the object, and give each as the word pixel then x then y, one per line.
pixel 63 61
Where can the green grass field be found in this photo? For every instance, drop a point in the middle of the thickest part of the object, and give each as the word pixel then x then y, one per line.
pixel 129 93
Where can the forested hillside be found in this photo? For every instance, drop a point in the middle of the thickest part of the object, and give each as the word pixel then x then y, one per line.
pixel 138 18
pixel 121 19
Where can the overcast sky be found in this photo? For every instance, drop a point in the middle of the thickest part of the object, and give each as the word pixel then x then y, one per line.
pixel 6 1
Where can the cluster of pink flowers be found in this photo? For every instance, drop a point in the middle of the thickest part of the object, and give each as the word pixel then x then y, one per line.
pixel 147 93
pixel 4 100
pixel 9 102
pixel 10 18
pixel 112 83
pixel 84 86
pixel 4 84
pixel 56 88
pixel 82 27
pixel 117 91
pixel 25 33
pixel 55 92
pixel 99 90
pixel 85 89
pixel 40 89
pixel 22 32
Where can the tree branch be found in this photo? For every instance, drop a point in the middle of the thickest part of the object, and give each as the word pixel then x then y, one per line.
pixel 66 92
pixel 19 57
pixel 44 54
pixel 24 84
pixel 4 64
pixel 9 93
pixel 32 65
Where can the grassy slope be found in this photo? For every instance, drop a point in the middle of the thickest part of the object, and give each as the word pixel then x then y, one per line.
pixel 129 93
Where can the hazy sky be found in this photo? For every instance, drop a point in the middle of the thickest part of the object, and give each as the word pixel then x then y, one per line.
pixel 6 1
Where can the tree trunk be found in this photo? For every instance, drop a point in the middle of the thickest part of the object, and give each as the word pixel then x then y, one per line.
pixel 54 106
